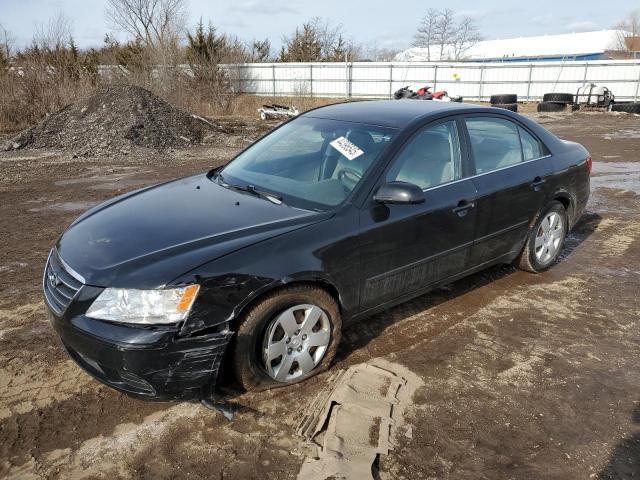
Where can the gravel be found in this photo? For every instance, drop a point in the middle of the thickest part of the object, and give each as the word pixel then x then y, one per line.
pixel 115 120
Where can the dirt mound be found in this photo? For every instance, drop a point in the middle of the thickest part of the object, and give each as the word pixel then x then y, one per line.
pixel 114 120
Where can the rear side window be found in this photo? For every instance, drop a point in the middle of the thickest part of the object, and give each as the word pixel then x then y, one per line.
pixel 531 148
pixel 430 158
pixel 495 143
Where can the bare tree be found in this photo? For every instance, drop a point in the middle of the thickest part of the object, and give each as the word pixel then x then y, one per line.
pixel 156 23
pixel 55 34
pixel 425 36
pixel 629 27
pixel 6 43
pixel 444 31
pixel 444 37
pixel 466 36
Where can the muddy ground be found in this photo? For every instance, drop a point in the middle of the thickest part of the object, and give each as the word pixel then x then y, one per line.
pixel 525 376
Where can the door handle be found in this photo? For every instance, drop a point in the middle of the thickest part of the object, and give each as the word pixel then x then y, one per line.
pixel 537 183
pixel 463 208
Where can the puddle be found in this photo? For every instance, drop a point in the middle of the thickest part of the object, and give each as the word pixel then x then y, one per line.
pixel 66 206
pixel 618 175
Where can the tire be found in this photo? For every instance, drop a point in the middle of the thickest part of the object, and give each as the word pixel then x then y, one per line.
pixel 631 107
pixel 531 261
pixel 566 98
pixel 504 98
pixel 506 106
pixel 551 107
pixel 257 325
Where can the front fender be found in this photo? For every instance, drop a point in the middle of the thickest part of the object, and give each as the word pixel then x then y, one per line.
pixel 325 253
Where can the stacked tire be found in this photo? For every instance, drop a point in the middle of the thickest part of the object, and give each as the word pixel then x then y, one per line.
pixel 627 107
pixel 507 101
pixel 555 102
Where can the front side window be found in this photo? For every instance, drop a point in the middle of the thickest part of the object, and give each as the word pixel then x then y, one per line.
pixel 431 157
pixel 310 162
pixel 495 143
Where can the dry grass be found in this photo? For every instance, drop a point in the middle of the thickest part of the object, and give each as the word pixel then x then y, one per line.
pixel 27 98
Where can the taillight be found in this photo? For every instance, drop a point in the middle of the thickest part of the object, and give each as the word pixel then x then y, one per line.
pixel 589 164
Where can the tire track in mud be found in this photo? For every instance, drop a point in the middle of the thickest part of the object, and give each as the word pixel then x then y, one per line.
pixel 34 369
pixel 69 422
pixel 625 234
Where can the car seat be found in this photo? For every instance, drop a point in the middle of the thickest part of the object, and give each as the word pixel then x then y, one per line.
pixel 426 162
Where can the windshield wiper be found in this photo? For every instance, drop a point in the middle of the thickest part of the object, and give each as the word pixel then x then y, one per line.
pixel 259 193
pixel 251 189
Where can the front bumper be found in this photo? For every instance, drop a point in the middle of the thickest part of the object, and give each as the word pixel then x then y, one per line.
pixel 146 363
pixel 150 364
pixel 154 362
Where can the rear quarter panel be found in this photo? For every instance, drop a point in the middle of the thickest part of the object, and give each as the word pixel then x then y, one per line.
pixel 571 179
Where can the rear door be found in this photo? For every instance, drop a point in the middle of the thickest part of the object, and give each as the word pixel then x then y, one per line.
pixel 406 248
pixel 511 172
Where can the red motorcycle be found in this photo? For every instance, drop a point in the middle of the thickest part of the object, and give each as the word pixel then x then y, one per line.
pixel 425 93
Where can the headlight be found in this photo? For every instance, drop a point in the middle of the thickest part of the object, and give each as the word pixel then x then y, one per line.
pixel 144 306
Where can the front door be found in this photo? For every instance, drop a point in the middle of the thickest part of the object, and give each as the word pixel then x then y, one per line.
pixel 406 248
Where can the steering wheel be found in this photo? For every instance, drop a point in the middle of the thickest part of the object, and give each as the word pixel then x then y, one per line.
pixel 350 175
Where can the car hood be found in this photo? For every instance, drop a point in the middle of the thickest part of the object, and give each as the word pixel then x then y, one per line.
pixel 149 237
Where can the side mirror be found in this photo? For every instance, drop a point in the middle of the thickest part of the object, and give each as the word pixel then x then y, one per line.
pixel 399 193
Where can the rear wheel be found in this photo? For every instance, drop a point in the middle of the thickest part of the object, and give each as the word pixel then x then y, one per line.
pixel 286 337
pixel 545 240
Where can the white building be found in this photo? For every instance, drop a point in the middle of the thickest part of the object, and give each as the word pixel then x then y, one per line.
pixel 566 46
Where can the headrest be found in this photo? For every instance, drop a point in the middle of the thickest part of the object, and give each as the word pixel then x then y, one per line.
pixel 431 146
pixel 361 139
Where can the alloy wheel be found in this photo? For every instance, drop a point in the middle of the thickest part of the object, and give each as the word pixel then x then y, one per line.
pixel 295 342
pixel 549 238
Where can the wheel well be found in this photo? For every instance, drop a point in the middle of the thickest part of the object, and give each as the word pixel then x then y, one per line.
pixel 324 285
pixel 564 201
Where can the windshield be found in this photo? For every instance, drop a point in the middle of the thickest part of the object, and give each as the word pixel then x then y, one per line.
pixel 309 162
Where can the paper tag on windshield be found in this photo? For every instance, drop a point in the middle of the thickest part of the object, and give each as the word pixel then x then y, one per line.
pixel 346 148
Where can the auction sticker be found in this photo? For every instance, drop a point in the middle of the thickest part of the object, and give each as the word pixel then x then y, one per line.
pixel 346 148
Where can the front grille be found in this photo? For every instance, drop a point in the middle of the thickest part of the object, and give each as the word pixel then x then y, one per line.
pixel 60 283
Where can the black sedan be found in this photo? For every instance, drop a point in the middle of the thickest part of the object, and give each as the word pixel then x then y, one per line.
pixel 339 213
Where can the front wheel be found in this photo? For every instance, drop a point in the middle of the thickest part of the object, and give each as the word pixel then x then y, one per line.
pixel 286 337
pixel 545 240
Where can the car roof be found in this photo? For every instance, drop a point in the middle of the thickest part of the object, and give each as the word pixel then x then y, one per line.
pixel 389 113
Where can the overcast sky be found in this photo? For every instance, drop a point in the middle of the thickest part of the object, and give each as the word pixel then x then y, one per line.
pixel 389 23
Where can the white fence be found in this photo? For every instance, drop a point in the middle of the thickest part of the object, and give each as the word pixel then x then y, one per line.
pixel 474 81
